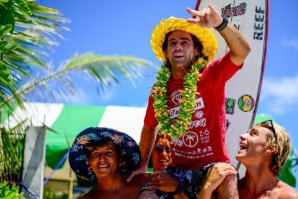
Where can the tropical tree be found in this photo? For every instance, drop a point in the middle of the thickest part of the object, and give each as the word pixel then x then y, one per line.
pixel 104 69
pixel 27 33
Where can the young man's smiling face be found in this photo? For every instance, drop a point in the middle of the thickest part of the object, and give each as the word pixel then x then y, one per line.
pixel 180 50
pixel 253 145
pixel 161 155
pixel 103 161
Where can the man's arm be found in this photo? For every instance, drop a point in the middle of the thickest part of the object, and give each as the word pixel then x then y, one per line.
pixel 238 45
pixel 147 141
pixel 210 18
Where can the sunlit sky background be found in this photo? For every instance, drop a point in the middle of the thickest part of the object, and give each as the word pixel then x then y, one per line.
pixel 124 28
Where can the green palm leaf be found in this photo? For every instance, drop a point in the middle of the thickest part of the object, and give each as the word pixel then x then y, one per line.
pixel 27 31
pixel 104 69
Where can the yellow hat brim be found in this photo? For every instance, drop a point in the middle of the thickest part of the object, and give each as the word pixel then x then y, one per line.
pixel 204 35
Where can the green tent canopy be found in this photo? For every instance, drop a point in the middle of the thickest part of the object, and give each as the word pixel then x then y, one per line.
pixel 262 117
pixel 70 121
pixel 66 121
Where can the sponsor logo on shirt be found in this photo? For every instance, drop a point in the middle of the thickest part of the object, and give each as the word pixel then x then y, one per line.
pixel 190 139
pixel 173 112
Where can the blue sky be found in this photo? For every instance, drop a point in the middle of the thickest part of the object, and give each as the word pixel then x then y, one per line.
pixel 124 28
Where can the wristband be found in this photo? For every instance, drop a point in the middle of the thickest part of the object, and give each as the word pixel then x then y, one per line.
pixel 223 24
pixel 179 189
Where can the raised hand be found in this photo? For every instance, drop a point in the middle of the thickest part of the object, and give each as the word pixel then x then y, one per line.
pixel 208 17
pixel 215 177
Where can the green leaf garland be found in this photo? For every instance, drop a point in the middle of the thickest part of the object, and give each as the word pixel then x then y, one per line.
pixel 187 101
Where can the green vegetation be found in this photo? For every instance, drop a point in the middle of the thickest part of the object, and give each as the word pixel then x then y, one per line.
pixel 10 192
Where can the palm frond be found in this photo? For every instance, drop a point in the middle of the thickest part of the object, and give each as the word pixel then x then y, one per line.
pixel 27 31
pixel 106 70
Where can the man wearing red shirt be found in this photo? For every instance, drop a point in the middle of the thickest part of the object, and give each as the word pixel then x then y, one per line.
pixel 187 101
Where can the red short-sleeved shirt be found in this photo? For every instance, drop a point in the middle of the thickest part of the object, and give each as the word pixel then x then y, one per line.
pixel 204 141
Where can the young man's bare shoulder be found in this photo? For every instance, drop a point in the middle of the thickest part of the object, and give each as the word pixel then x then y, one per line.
pixel 281 191
pixel 286 191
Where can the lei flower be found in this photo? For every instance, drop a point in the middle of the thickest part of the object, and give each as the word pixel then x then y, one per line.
pixel 187 101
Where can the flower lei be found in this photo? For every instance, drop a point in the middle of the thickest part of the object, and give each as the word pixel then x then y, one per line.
pixel 187 101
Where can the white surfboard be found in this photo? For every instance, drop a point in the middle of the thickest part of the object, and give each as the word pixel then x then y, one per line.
pixel 243 90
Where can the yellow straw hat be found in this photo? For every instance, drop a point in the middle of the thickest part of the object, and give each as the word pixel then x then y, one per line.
pixel 204 35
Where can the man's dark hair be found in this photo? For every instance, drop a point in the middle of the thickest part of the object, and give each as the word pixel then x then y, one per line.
pixel 92 146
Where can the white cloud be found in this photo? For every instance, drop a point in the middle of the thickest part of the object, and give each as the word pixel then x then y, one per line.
pixel 79 97
pixel 292 43
pixel 107 94
pixel 92 97
pixel 280 94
